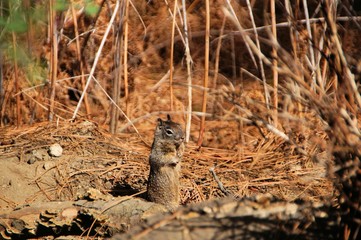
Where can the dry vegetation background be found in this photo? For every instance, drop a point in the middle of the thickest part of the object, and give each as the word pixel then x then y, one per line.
pixel 271 92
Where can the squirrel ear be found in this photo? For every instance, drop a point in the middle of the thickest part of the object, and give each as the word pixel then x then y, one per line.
pixel 160 122
pixel 168 117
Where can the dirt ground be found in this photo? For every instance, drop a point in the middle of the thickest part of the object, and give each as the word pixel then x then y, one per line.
pixel 92 158
pixel 118 166
pixel 290 139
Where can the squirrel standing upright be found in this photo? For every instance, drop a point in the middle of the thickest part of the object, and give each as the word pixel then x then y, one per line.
pixel 165 157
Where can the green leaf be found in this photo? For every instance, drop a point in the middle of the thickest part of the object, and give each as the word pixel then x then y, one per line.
pixel 91 9
pixel 61 5
pixel 17 26
pixel 17 22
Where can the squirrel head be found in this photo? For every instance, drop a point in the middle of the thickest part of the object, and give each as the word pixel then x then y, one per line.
pixel 169 130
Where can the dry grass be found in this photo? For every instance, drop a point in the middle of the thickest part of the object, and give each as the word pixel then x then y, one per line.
pixel 293 146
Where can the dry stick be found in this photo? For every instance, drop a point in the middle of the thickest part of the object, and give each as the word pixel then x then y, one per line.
pixel 247 46
pixel 275 64
pixel 295 43
pixel 206 72
pixel 125 58
pixel 321 81
pixel 88 33
pixel 176 25
pixel 161 81
pixel 269 63
pixel 78 49
pixel 310 38
pixel 43 84
pixel 192 5
pixel 97 56
pixel 220 184
pixel 303 21
pixel 126 117
pixel 140 18
pixel 350 77
pixel 266 92
pixel 118 59
pixel 29 32
pixel 189 76
pixel 2 92
pixel 148 115
pixel 17 84
pixel 172 56
pixel 216 64
pixel 233 56
pixel 197 34
pixel 54 58
pixel 290 26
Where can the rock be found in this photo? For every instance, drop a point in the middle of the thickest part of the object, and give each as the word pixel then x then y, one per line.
pixel 35 156
pixel 32 159
pixel 55 150
pixel 48 165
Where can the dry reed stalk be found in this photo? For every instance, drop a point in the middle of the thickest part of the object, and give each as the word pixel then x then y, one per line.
pixel 29 32
pixel 275 64
pixel 290 18
pixel 260 62
pixel 53 58
pixel 349 78
pixel 292 22
pixel 125 57
pixel 310 46
pixel 96 59
pixel 233 13
pixel 180 35
pixel 172 56
pixel 189 74
pixel 118 59
pixel 233 56
pixel 17 81
pixel 206 75
pixel 157 113
pixel 115 95
pixel 2 92
pixel 78 52
pixel 125 115
pixel 320 76
pixel 216 60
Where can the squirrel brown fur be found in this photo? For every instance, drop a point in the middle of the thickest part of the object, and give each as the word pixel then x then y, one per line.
pixel 165 159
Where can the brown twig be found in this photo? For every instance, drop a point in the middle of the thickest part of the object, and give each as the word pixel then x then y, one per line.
pixel 220 184
pixel 275 64
pixel 17 82
pixel 54 57
pixel 172 56
pixel 78 51
pixel 125 57
pixel 206 72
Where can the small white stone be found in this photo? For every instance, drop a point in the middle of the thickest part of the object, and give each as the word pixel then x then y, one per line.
pixel 55 150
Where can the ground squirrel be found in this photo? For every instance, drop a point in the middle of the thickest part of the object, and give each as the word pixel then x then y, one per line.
pixel 166 154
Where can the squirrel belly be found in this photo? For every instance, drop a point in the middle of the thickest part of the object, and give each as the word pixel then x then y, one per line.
pixel 163 186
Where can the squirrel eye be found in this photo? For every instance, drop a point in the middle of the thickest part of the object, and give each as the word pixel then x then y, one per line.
pixel 169 131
